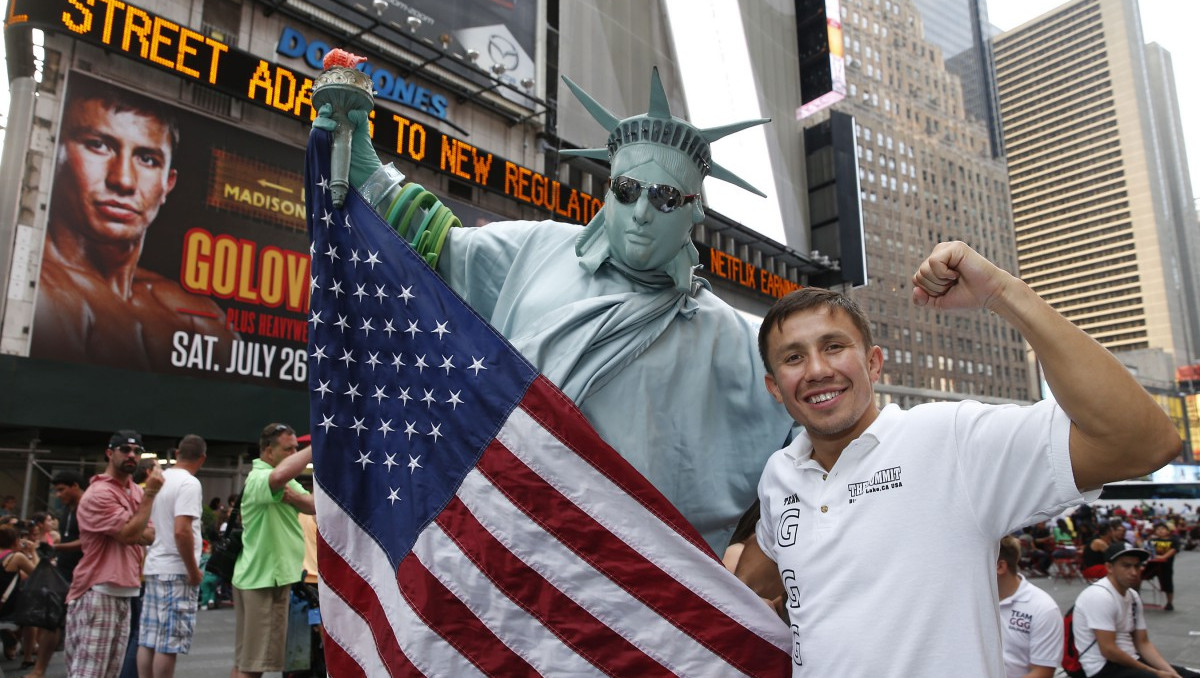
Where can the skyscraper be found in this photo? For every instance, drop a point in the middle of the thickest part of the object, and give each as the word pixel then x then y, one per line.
pixel 1177 185
pixel 927 174
pixel 960 28
pixel 1094 161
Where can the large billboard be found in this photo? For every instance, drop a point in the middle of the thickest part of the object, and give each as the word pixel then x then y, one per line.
pixel 499 33
pixel 175 243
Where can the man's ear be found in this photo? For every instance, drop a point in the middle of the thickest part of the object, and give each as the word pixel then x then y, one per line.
pixel 773 388
pixel 875 363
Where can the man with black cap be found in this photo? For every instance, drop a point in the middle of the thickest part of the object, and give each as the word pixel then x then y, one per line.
pixel 1110 624
pixel 114 528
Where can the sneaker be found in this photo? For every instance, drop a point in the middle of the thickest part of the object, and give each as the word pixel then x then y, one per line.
pixel 1169 607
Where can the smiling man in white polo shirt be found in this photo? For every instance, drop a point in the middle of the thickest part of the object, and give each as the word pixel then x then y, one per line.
pixel 840 504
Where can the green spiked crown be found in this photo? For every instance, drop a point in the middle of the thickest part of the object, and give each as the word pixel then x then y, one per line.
pixel 658 126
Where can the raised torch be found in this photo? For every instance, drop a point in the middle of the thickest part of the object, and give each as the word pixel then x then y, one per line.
pixel 345 88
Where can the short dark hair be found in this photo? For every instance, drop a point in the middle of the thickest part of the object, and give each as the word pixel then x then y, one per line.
pixel 68 478
pixel 191 448
pixel 1010 553
pixel 143 470
pixel 120 100
pixel 8 536
pixel 804 299
pixel 746 524
pixel 271 433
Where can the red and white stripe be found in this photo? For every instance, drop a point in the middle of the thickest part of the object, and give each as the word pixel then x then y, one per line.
pixel 553 559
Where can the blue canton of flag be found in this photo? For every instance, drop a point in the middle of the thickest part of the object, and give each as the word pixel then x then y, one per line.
pixel 471 521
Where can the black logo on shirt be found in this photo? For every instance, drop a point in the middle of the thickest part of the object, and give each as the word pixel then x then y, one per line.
pixel 1020 621
pixel 885 479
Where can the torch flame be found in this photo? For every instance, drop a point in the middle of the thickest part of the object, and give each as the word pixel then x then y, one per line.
pixel 340 57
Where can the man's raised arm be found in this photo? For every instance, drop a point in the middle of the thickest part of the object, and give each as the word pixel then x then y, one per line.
pixel 1117 431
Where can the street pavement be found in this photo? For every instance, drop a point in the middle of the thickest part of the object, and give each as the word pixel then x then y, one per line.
pixel 1177 633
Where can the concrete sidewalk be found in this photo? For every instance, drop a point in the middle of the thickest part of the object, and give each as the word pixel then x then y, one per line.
pixel 211 655
pixel 1177 634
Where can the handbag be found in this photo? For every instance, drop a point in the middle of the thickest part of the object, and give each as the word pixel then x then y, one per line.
pixel 228 547
pixel 12 583
pixel 43 598
pixel 9 601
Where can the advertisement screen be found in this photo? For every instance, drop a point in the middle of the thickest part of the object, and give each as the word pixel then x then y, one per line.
pixel 499 32
pixel 175 244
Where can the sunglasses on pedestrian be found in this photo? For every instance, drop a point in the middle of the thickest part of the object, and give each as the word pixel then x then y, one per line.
pixel 664 197
pixel 129 449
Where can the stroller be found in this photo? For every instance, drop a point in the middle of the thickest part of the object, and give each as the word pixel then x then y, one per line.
pixel 305 653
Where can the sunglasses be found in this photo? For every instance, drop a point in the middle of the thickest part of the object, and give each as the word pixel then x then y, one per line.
pixel 129 449
pixel 663 197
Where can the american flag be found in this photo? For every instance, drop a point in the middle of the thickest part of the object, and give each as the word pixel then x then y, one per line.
pixel 471 521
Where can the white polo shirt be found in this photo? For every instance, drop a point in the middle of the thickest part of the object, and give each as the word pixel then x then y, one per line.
pixel 889 559
pixel 1099 606
pixel 1032 626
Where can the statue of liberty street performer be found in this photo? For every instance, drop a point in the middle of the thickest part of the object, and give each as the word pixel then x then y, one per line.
pixel 613 312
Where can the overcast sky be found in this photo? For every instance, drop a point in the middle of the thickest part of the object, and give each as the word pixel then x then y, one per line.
pixel 1170 23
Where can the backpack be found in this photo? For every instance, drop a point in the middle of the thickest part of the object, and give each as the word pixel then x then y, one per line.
pixel 1070 658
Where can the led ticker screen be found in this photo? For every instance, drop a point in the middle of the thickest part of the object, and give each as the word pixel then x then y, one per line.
pixel 117 26
pixel 719 264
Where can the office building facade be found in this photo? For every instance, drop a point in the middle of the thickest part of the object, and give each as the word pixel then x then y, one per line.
pixel 1098 177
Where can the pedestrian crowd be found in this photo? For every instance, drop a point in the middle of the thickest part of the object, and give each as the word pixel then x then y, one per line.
pixel 127 562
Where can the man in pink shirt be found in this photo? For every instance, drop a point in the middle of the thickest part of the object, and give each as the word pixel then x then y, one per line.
pixel 114 526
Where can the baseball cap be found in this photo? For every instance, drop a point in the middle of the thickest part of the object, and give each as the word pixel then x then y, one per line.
pixel 125 437
pixel 1122 549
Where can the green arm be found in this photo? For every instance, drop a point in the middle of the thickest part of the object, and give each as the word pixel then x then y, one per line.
pixel 415 213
